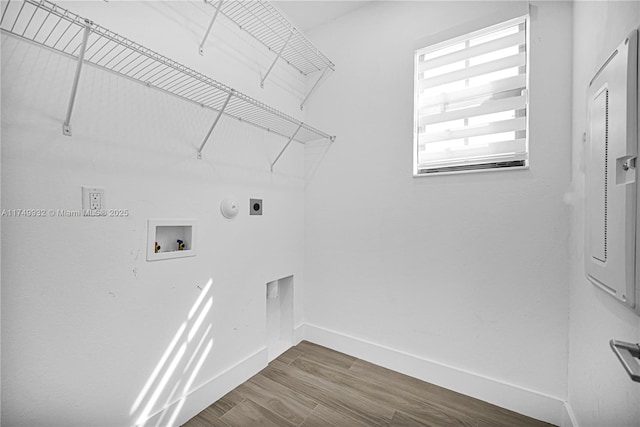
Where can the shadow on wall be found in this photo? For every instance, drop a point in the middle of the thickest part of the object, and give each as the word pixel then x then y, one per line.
pixel 177 368
pixel 315 153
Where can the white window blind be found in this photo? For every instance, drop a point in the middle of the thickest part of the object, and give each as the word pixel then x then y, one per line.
pixel 471 101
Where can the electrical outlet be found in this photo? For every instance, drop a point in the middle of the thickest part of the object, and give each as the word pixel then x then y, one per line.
pixel 92 201
pixel 95 201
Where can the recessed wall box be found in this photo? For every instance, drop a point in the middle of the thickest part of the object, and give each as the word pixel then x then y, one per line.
pixel 171 238
pixel 279 316
pixel 611 258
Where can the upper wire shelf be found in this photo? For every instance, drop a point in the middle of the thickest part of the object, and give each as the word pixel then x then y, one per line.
pixel 265 23
pixel 270 27
pixel 51 26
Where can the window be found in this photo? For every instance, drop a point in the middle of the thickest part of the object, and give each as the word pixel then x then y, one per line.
pixel 471 102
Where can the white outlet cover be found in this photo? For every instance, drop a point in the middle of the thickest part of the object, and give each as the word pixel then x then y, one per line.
pixel 86 201
pixel 229 208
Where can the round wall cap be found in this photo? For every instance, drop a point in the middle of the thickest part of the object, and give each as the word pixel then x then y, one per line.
pixel 229 208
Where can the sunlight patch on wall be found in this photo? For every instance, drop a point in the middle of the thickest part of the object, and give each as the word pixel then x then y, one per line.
pixel 188 350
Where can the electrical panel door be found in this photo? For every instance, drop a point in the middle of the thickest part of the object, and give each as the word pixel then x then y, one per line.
pixel 611 175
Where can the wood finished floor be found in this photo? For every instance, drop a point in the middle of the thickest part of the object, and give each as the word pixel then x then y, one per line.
pixel 311 386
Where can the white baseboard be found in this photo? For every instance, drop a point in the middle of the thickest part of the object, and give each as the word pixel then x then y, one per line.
pixel 298 333
pixel 528 402
pixel 515 398
pixel 212 390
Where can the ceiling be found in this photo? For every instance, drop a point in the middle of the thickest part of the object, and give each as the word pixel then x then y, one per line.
pixel 309 14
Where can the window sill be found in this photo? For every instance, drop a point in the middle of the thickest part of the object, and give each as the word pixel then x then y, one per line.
pixel 466 171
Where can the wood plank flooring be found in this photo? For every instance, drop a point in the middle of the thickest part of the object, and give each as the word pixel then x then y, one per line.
pixel 313 386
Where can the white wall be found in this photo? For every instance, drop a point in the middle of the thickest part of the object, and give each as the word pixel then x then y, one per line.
pixel 469 271
pixel 600 392
pixel 85 318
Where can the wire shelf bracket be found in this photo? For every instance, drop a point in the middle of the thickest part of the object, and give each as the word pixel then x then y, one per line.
pixel 215 122
pixel 266 24
pixel 313 88
pixel 48 25
pixel 285 147
pixel 206 34
pixel 276 59
pixel 66 126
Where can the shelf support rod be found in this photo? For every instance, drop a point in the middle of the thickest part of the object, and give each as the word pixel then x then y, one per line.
pixel 276 59
pixel 286 145
pixel 313 88
pixel 66 126
pixel 206 35
pixel 215 122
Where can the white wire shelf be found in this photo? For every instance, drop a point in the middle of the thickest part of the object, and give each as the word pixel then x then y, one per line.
pixel 49 25
pixel 270 27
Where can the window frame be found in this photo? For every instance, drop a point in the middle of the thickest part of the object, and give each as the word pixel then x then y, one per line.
pixel 456 35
